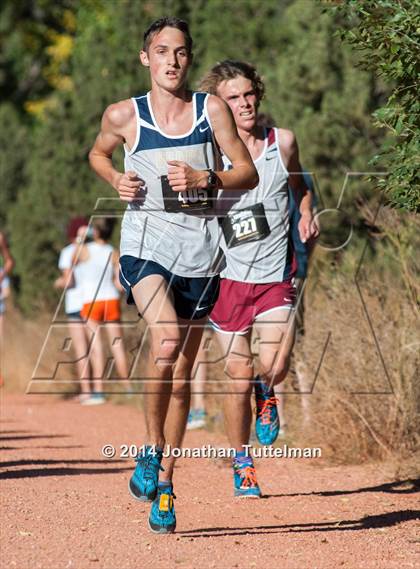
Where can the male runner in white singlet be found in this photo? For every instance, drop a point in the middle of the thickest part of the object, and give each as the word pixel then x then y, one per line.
pixel 170 257
pixel 256 289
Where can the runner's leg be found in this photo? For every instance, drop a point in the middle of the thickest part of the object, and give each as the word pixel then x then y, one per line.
pixel 154 302
pixel 96 358
pixel 240 373
pixel 115 336
pixel 80 344
pixel 197 414
pixel 276 331
pixel 181 390
pixel 238 412
pixel 199 375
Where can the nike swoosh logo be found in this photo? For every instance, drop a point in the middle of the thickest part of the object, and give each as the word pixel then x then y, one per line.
pixel 201 307
pixel 270 157
pixel 203 129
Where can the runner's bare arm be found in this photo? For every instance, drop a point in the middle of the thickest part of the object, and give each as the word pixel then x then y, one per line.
pixel 242 176
pixel 116 268
pixel 290 153
pixel 66 279
pixel 114 127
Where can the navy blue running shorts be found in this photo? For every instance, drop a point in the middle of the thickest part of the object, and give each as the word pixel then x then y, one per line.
pixel 194 297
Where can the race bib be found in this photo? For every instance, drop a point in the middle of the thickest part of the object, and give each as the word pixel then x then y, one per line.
pixel 245 225
pixel 190 200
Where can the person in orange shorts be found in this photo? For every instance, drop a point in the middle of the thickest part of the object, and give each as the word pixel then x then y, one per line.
pixel 102 310
pixel 98 269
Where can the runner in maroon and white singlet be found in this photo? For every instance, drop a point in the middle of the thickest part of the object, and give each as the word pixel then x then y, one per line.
pixel 257 289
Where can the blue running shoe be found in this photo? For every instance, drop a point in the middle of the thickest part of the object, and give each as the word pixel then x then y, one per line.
pixel 144 482
pixel 196 419
pixel 245 480
pixel 162 515
pixel 267 424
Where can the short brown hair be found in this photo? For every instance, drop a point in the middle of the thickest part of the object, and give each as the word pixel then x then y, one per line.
pixel 167 22
pixel 229 69
pixel 104 226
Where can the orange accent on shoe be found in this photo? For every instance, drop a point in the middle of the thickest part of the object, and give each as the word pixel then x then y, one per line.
pixel 247 473
pixel 264 409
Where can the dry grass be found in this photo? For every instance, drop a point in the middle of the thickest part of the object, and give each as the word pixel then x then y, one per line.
pixel 365 399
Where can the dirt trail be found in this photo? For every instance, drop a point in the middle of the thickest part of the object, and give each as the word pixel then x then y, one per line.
pixel 65 506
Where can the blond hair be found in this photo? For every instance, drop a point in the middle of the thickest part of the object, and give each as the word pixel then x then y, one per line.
pixel 229 69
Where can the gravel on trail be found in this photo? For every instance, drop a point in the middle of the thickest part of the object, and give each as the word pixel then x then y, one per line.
pixel 65 506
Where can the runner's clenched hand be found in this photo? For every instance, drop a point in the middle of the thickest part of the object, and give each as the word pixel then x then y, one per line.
pixel 308 227
pixel 182 177
pixel 128 186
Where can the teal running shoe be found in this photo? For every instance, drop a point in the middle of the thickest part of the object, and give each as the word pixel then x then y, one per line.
pixel 267 423
pixel 162 517
pixel 196 419
pixel 144 482
pixel 245 480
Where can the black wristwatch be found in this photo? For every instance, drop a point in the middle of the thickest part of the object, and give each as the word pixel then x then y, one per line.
pixel 212 180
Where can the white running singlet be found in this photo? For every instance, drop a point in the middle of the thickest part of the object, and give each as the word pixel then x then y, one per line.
pixel 266 256
pixel 184 241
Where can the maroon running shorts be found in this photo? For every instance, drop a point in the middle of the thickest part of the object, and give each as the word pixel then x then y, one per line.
pixel 239 304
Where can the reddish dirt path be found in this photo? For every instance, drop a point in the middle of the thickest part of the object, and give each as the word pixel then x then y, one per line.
pixel 65 506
